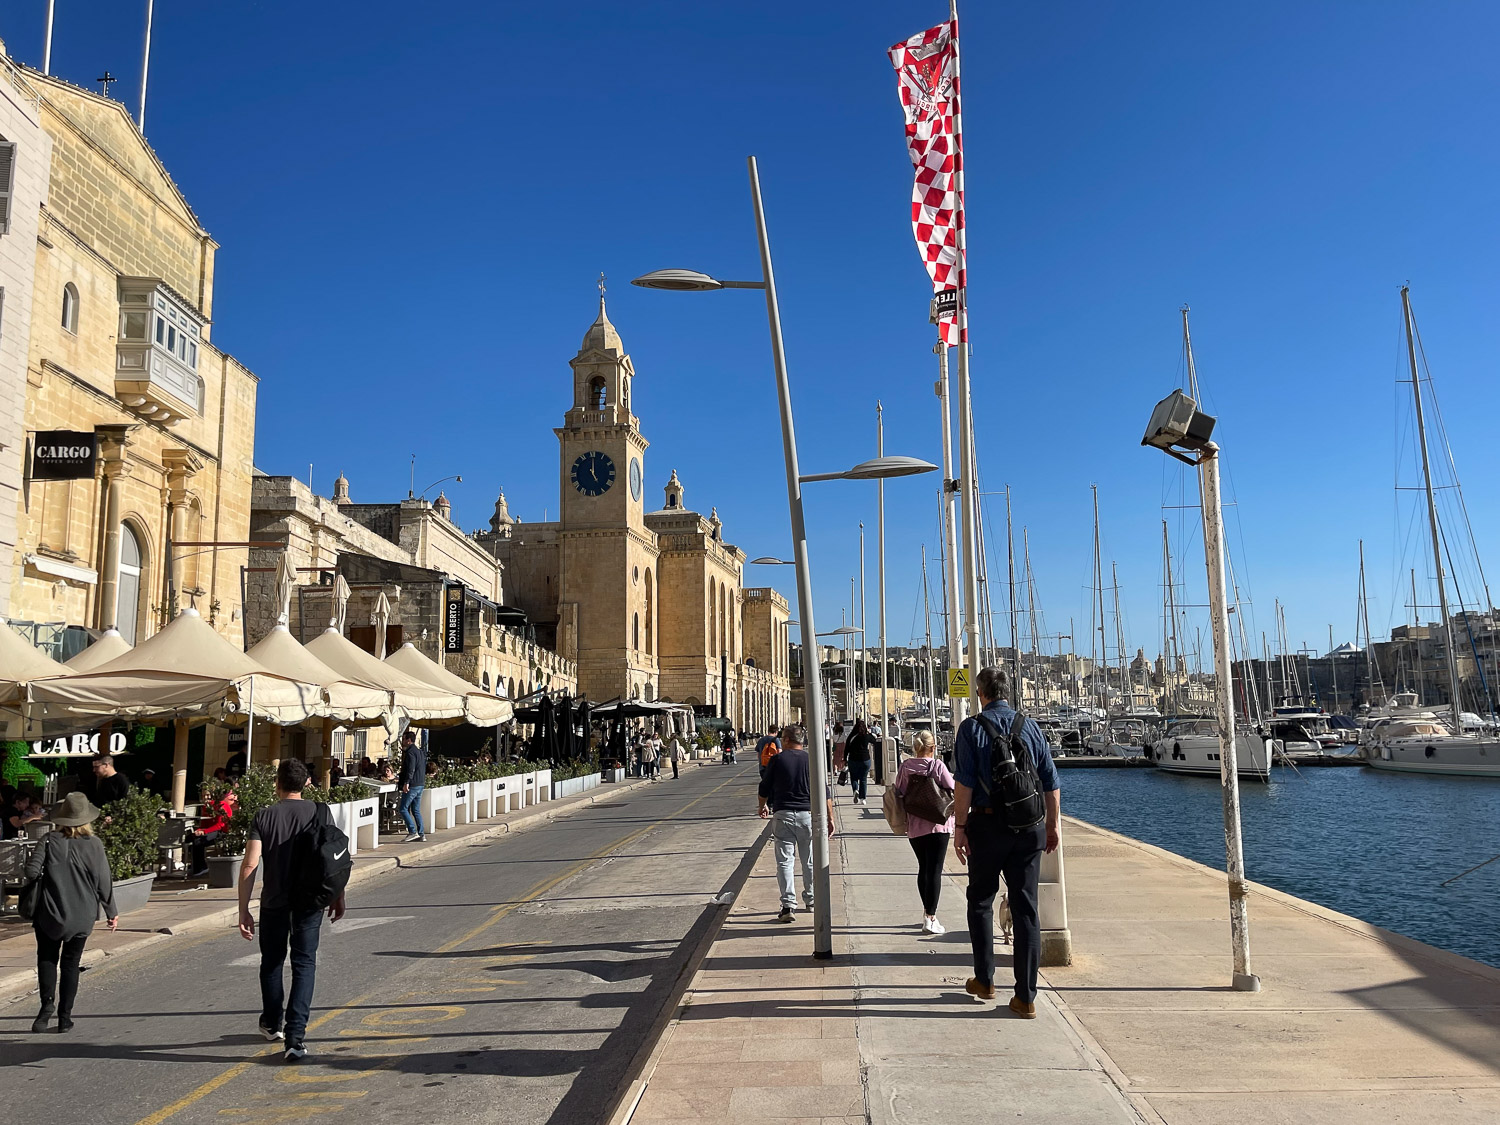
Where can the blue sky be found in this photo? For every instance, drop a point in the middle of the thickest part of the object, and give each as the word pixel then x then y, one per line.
pixel 414 203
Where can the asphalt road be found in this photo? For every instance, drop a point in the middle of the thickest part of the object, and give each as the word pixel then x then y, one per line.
pixel 512 981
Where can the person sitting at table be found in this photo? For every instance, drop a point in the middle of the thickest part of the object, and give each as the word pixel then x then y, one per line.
pixel 387 772
pixel 366 767
pixel 336 774
pixel 221 774
pixel 213 820
pixel 21 811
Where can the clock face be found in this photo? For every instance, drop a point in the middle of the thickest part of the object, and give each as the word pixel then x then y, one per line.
pixel 635 478
pixel 593 473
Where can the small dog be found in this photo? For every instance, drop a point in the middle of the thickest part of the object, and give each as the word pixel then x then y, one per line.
pixel 1002 916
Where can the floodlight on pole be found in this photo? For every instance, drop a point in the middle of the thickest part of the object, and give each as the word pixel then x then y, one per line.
pixel 1179 429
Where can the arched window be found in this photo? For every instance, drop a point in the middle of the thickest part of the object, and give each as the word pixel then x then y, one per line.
pixel 650 598
pixel 596 393
pixel 128 596
pixel 70 308
pixel 635 632
pixel 650 692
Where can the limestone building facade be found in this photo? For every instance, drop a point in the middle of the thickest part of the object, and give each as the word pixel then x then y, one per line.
pixel 25 163
pixel 651 603
pixel 410 552
pixel 119 347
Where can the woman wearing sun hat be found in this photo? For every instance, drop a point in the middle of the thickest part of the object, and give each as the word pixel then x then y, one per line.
pixel 75 883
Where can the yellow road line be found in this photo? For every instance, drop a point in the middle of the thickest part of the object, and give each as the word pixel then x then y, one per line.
pixel 235 1071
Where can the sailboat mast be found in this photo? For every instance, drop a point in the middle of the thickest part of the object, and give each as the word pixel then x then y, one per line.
pixel 1036 664
pixel 1432 517
pixel 927 624
pixel 1097 603
pixel 1015 625
pixel 1114 578
pixel 1362 618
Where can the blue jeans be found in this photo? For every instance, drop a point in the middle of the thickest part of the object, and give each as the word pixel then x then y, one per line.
pixel 410 808
pixel 859 770
pixel 279 927
pixel 792 832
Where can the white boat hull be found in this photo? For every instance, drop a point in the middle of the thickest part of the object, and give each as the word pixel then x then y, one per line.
pixel 1440 757
pixel 1199 755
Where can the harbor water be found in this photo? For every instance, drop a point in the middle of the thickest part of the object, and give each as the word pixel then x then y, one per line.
pixel 1375 845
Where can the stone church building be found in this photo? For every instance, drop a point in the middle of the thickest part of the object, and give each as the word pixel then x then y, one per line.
pixel 651 604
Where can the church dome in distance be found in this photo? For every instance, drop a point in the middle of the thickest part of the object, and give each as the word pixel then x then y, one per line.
pixel 602 335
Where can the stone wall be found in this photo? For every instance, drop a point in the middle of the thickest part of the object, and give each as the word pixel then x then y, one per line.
pixel 20 122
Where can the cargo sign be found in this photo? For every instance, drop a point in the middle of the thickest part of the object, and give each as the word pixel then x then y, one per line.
pixel 83 745
pixel 453 619
pixel 63 455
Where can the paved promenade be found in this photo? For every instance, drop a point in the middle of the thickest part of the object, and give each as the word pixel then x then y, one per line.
pixel 1354 1024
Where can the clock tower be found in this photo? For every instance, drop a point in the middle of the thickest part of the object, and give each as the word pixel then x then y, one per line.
pixel 607 565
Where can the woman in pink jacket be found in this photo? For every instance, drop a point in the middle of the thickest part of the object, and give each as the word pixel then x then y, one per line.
pixel 929 839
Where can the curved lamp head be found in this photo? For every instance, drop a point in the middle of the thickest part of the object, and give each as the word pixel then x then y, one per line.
pixel 843 631
pixel 879 468
pixel 767 560
pixel 685 281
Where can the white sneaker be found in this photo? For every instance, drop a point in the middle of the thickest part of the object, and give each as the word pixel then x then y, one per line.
pixel 936 927
pixel 411 838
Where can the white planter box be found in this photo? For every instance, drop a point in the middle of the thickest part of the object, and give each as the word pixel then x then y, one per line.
pixel 574 785
pixel 360 821
pixel 482 799
pixel 543 786
pixel 463 812
pixel 613 775
pixel 510 794
pixel 437 807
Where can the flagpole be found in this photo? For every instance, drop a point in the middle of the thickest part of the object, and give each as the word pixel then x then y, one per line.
pixel 965 400
pixel 145 66
pixel 47 41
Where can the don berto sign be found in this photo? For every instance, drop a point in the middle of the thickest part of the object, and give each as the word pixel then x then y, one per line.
pixel 84 745
pixel 63 455
pixel 453 619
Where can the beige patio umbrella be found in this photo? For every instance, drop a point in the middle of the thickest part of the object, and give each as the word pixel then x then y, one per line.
pixel 380 617
pixel 20 662
pixel 186 674
pixel 102 651
pixel 481 709
pixel 419 702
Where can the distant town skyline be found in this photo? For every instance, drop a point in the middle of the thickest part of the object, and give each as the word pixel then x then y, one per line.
pixel 414 213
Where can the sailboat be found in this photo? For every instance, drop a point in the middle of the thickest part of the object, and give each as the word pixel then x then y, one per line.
pixel 1423 744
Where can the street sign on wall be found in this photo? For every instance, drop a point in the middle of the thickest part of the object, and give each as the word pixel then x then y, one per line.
pixel 453 619
pixel 63 455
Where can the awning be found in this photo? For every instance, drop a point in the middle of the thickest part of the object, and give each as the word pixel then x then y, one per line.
pixel 21 662
pixel 186 671
pixel 102 651
pixel 481 709
pixel 420 702
pixel 348 703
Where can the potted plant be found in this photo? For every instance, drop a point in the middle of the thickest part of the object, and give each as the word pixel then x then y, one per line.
pixel 252 792
pixel 129 829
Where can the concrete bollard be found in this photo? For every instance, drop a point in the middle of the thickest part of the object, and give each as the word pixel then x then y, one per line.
pixel 1052 906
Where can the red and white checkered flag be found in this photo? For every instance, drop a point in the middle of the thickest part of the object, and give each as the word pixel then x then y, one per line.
pixel 927 72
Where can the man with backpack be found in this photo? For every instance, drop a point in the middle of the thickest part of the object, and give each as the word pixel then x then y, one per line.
pixel 307 866
pixel 1007 812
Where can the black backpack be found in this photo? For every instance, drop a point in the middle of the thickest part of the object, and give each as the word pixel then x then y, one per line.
pixel 322 863
pixel 1015 788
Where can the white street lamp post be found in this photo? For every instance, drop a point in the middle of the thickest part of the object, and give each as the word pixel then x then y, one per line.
pixel 879 468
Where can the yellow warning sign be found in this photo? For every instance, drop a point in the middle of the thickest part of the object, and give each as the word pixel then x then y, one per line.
pixel 958 683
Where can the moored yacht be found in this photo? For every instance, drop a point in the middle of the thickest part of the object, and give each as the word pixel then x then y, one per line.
pixel 1192 746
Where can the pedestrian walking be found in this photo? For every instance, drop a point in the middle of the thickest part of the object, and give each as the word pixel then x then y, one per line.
pixel 785 798
pixel 73 882
pixel 676 755
pixel 276 839
pixel 926 790
pixel 766 749
pixel 658 750
pixel 858 752
pixel 1007 813
pixel 109 784
pixel 411 782
pixel 836 758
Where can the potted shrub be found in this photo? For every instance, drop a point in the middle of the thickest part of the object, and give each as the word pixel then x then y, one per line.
pixel 252 792
pixel 129 830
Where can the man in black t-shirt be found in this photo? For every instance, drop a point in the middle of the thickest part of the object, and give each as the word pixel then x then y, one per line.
pixel 109 784
pixel 273 838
